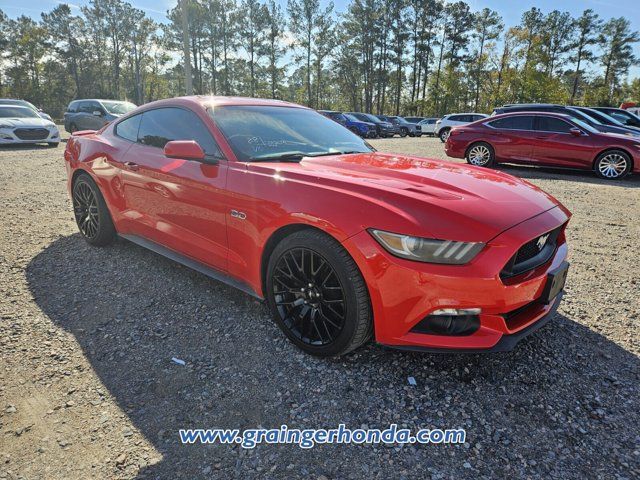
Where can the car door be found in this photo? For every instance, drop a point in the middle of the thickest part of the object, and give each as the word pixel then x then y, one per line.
pixel 556 145
pixel 514 138
pixel 177 203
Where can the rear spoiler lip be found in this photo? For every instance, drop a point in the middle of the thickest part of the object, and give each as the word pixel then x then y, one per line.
pixel 82 133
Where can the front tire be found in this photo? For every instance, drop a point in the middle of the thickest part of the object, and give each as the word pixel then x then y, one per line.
pixel 91 212
pixel 317 295
pixel 403 132
pixel 480 154
pixel 612 165
pixel 444 134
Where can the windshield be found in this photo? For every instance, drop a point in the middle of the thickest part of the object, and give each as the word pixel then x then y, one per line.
pixel 338 117
pixel 17 112
pixel 118 108
pixel 584 117
pixel 603 117
pixel 371 118
pixel 351 117
pixel 257 132
pixel 583 125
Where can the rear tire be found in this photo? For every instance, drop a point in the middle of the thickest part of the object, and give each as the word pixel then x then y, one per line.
pixel 612 165
pixel 481 154
pixel 317 295
pixel 444 134
pixel 91 212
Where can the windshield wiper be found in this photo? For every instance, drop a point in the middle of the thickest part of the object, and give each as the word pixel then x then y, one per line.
pixel 297 156
pixel 285 157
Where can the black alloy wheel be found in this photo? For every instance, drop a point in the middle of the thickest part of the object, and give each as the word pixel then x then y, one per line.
pixel 91 212
pixel 317 294
pixel 309 296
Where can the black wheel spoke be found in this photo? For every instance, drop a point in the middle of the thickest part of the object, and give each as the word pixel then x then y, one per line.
pixel 85 210
pixel 308 296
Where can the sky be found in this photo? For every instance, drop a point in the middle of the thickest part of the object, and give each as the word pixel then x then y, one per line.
pixel 510 10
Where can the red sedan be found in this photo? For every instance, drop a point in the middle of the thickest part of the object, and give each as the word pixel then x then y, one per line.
pixel 545 139
pixel 343 242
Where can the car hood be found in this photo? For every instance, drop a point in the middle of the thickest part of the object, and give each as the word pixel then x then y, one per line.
pixel 26 122
pixel 427 197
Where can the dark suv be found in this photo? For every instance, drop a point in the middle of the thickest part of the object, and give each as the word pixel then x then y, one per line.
pixel 383 128
pixel 575 112
pixel 93 114
pixel 363 129
pixel 406 128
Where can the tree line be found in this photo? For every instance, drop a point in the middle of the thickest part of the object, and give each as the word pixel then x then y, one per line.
pixel 423 57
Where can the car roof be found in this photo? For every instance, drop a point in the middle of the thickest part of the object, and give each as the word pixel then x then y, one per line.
pixel 13 106
pixel 529 112
pixel 219 101
pixel 512 105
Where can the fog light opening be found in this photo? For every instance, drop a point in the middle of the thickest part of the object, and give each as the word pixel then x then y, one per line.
pixel 450 321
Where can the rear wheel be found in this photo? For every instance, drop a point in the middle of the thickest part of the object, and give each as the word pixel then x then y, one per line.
pixel 73 128
pixel 317 295
pixel 612 164
pixel 481 155
pixel 91 212
pixel 444 134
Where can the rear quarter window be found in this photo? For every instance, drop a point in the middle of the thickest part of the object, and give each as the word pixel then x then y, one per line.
pixel 128 128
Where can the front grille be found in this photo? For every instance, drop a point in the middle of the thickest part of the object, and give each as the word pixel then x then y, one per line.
pixel 532 254
pixel 31 133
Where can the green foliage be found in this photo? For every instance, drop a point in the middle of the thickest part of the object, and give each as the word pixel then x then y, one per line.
pixel 423 57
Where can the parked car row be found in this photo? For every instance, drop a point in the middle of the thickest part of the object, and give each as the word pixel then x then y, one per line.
pixel 368 125
pixel 551 135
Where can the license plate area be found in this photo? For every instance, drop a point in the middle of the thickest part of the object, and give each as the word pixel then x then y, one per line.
pixel 556 280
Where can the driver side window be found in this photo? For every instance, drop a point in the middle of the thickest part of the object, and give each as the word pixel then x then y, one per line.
pixel 162 125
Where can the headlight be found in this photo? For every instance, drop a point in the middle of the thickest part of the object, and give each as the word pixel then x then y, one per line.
pixel 427 249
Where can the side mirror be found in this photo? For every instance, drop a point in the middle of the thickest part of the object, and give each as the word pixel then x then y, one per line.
pixel 576 132
pixel 97 113
pixel 184 149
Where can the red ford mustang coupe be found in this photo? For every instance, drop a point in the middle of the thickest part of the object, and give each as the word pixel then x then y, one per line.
pixel 343 242
pixel 545 139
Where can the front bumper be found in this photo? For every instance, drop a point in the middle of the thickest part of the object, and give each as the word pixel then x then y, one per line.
pixel 404 292
pixel 8 136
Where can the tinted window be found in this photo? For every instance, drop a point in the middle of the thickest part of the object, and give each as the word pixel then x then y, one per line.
pixel 89 107
pixel 519 122
pixel 460 118
pixel 163 125
pixel 128 128
pixel 551 124
pixel 73 107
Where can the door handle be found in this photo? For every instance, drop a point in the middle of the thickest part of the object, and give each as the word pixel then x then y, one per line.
pixel 131 166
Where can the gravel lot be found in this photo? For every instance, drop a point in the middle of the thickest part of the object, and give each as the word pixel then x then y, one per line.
pixel 88 388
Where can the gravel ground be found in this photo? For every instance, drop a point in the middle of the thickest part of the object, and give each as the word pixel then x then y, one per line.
pixel 88 388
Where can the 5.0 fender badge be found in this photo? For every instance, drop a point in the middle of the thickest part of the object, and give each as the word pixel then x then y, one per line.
pixel 239 215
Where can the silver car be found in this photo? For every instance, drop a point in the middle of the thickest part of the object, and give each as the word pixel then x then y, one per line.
pixel 20 125
pixel 93 114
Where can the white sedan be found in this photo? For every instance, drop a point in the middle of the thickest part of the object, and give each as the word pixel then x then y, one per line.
pixel 23 125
